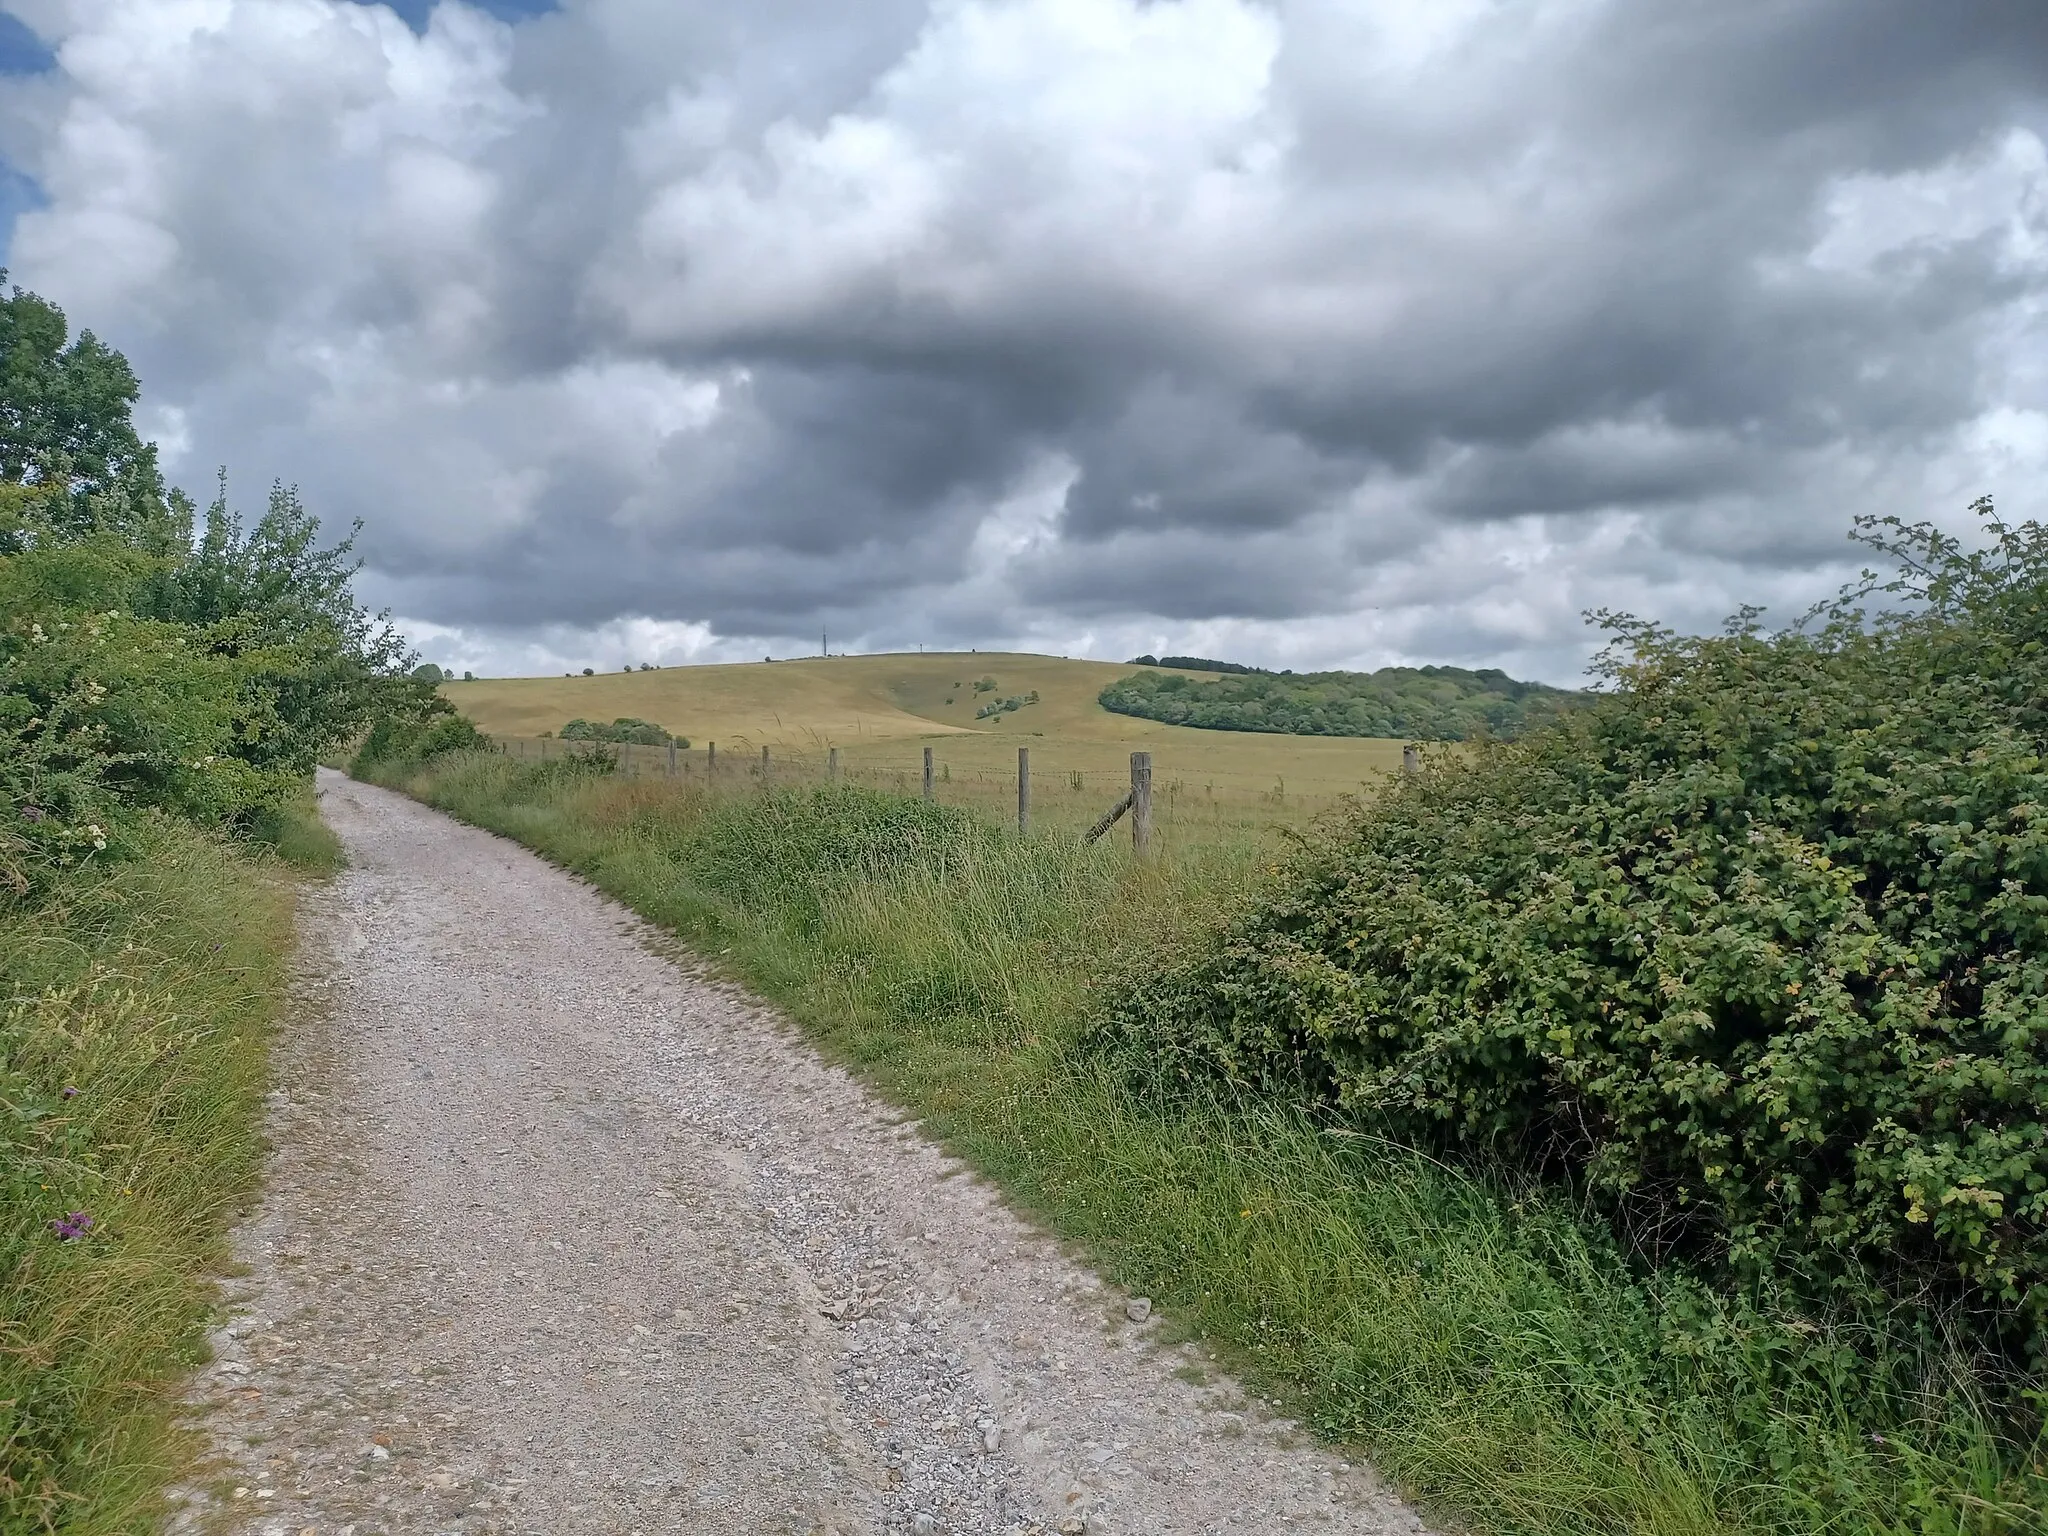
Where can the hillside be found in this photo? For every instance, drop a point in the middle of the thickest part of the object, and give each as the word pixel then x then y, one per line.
pixel 881 711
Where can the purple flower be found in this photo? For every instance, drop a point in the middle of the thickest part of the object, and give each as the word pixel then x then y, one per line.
pixel 74 1225
pixel 70 1093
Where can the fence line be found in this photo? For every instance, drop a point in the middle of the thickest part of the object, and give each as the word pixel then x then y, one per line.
pixel 1138 801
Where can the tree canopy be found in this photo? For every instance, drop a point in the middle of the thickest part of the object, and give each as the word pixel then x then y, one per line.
pixel 1427 703
pixel 142 668
pixel 67 422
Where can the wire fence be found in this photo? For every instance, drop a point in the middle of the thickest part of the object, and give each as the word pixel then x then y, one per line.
pixel 1055 795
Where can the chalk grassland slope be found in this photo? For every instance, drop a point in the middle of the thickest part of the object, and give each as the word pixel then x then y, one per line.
pixel 881 711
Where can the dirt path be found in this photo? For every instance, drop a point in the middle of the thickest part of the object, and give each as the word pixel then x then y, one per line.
pixel 561 1238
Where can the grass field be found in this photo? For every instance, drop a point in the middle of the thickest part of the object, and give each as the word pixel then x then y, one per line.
pixel 882 711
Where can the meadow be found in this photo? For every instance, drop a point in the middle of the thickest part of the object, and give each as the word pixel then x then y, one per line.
pixel 880 712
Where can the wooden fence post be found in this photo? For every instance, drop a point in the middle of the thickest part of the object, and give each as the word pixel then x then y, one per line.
pixel 1411 760
pixel 671 757
pixel 1023 791
pixel 764 767
pixel 832 766
pixel 710 760
pixel 927 775
pixel 1141 802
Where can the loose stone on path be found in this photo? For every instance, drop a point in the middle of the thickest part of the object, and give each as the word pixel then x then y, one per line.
pixel 561 1237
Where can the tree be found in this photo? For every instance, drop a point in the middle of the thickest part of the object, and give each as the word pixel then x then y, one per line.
pixel 66 420
pixel 274 597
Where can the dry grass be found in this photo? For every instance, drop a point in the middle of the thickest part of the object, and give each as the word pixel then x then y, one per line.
pixel 882 711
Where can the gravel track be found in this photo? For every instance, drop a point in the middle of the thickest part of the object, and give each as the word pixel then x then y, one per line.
pixel 560 1236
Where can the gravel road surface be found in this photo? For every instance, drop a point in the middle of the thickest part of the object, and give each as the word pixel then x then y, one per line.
pixel 560 1236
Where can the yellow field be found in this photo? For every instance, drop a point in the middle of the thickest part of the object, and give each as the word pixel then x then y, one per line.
pixel 882 711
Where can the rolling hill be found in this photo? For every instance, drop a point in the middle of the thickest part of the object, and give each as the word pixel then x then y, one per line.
pixel 881 711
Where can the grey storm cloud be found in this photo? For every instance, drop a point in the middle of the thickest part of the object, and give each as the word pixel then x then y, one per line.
pixel 1319 332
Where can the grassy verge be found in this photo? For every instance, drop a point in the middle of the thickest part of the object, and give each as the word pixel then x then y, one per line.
pixel 133 1022
pixel 1488 1350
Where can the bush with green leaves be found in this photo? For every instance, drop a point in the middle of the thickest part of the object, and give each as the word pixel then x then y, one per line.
pixel 404 742
pixel 627 729
pixel 143 668
pixel 1755 948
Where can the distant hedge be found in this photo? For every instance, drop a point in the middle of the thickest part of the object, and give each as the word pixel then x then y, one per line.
pixel 1755 947
pixel 1192 664
pixel 640 733
pixel 1425 703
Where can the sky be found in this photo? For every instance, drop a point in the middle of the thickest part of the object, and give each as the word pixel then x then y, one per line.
pixel 1313 333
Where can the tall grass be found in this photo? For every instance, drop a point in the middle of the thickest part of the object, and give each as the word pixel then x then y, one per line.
pixel 1485 1346
pixel 133 1021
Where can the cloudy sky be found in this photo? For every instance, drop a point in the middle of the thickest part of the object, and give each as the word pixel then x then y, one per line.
pixel 1309 332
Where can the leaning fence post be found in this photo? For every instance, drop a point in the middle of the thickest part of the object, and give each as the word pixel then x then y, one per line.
pixel 1141 802
pixel 928 773
pixel 832 766
pixel 1411 760
pixel 1023 790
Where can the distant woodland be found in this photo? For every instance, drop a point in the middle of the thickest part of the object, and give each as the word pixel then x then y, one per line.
pixel 1422 703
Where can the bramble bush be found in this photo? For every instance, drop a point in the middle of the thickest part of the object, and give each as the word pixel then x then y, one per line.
pixel 408 741
pixel 1754 948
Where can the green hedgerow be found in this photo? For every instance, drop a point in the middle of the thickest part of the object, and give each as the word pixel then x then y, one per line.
pixel 1756 947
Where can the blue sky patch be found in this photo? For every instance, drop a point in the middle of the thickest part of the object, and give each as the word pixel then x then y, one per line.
pixel 21 51
pixel 415 12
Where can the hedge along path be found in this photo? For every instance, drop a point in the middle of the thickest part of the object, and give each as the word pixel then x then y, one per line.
pixel 560 1235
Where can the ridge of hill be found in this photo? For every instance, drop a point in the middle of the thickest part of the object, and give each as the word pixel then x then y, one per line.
pixel 881 711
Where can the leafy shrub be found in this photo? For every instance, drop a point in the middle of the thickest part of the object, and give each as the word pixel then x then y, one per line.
pixel 1009 706
pixel 1427 703
pixel 1193 664
pixel 625 729
pixel 402 740
pixel 1756 947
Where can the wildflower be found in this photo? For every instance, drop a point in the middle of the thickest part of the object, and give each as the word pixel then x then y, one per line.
pixel 74 1225
pixel 70 1092
pixel 98 836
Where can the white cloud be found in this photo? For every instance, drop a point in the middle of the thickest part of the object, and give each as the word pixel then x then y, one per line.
pixel 1336 331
